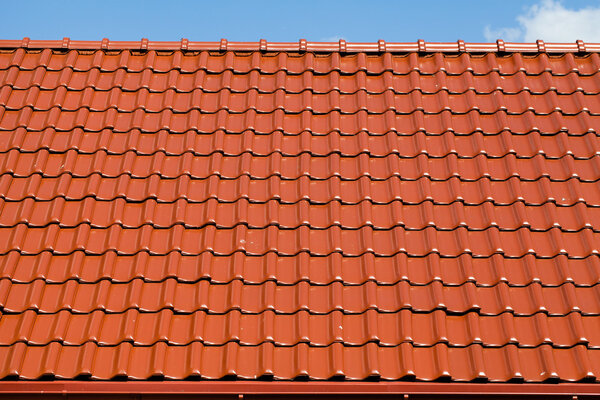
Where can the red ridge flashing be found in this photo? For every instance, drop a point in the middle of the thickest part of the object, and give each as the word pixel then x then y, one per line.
pixel 302 45
pixel 290 388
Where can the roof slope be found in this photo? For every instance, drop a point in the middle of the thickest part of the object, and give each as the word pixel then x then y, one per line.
pixel 299 215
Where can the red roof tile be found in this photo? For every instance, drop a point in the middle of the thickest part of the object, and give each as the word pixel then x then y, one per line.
pixel 391 211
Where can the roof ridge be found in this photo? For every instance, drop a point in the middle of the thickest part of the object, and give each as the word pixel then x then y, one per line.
pixel 302 45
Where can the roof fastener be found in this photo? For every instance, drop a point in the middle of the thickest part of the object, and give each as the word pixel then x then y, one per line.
pixel 541 46
pixel 184 44
pixel 501 45
pixel 302 45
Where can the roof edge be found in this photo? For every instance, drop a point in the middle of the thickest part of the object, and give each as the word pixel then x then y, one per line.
pixel 290 388
pixel 460 46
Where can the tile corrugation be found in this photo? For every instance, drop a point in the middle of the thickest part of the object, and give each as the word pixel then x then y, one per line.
pixel 181 297
pixel 320 330
pixel 299 215
pixel 79 142
pixel 298 63
pixel 474 362
pixel 110 266
pixel 438 82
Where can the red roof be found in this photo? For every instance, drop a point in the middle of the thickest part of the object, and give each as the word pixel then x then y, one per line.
pixel 371 211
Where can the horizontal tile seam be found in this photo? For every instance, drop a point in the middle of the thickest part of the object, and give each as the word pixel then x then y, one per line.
pixel 302 111
pixel 247 282
pixel 311 90
pixel 344 155
pixel 53 251
pixel 299 73
pixel 307 131
pixel 149 222
pixel 242 311
pixel 310 110
pixel 310 131
pixel 311 202
pixel 205 279
pixel 278 200
pixel 372 178
pixel 276 344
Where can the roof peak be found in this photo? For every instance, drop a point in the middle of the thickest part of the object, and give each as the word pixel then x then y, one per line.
pixel 302 45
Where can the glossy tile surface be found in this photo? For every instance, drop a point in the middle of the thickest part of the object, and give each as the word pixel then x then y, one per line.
pixel 179 214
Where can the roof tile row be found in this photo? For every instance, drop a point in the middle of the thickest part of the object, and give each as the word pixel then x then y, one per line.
pixel 104 214
pixel 185 82
pixel 87 268
pixel 296 63
pixel 563 193
pixel 405 146
pixel 508 363
pixel 292 167
pixel 288 299
pixel 385 329
pixel 278 120
pixel 125 101
pixel 289 242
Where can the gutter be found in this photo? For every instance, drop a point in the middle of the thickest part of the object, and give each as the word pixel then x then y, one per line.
pixel 239 389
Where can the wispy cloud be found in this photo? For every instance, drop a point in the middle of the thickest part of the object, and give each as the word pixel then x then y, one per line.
pixel 551 21
pixel 508 34
pixel 333 38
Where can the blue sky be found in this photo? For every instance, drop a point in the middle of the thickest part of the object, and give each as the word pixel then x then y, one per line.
pixel 366 20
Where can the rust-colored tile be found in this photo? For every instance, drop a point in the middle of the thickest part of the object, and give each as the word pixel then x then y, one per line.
pixel 288 299
pixel 252 362
pixel 386 329
pixel 580 147
pixel 445 217
pixel 289 270
pixel 298 215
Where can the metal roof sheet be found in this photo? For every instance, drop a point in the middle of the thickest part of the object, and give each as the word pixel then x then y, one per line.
pixel 287 211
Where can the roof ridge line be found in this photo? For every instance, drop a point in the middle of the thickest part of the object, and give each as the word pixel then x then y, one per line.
pixel 342 46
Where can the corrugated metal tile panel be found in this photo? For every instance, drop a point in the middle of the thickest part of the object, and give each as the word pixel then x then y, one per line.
pixel 181 214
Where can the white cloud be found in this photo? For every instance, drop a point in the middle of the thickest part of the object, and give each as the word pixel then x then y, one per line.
pixel 508 34
pixel 334 38
pixel 551 21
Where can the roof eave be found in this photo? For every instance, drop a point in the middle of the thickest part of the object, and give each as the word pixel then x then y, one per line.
pixel 237 388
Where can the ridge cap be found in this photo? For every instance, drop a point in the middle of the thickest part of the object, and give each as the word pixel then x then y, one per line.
pixel 302 45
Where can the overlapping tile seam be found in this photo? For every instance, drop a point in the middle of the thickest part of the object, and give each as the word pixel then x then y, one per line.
pixel 387 329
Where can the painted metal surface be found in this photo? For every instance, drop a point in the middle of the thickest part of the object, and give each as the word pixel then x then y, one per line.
pixel 399 212
pixel 236 388
pixel 303 45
